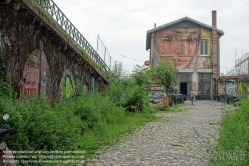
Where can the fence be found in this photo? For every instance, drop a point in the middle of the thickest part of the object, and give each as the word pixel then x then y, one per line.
pixel 50 7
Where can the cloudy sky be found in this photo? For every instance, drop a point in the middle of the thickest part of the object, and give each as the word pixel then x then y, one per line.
pixel 122 25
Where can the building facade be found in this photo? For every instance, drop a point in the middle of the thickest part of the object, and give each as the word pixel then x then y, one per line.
pixel 241 66
pixel 193 48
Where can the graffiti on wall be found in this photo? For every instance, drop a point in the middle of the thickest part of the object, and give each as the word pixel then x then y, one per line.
pixel 43 70
pixel 80 84
pixel 222 88
pixel 231 89
pixel 195 85
pixel 93 82
pixel 31 77
pixel 67 86
pixel 158 101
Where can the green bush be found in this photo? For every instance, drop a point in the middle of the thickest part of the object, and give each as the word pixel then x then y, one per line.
pixel 39 127
pixel 85 123
pixel 135 96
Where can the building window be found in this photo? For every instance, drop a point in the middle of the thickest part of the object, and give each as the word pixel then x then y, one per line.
pixel 243 71
pixel 204 47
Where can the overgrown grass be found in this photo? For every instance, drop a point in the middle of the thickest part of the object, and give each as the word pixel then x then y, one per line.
pixel 84 124
pixel 232 148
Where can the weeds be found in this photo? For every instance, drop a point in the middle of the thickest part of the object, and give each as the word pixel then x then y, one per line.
pixel 79 125
pixel 232 147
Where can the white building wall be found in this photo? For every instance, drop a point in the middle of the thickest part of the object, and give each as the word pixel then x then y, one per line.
pixel 242 66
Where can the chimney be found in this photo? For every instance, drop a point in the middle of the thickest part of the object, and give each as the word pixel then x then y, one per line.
pixel 154 25
pixel 214 19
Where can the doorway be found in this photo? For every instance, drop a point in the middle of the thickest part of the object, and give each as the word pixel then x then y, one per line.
pixel 183 88
pixel 185 84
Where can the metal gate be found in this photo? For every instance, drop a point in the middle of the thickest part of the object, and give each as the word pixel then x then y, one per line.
pixel 204 83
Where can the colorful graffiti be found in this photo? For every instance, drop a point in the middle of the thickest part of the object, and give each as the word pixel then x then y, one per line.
pixel 31 77
pixel 93 84
pixel 35 76
pixel 231 89
pixel 159 101
pixel 67 86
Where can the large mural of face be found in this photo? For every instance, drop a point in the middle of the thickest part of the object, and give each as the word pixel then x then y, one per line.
pixel 182 43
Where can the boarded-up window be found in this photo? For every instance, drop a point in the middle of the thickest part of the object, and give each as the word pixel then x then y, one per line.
pixel 204 47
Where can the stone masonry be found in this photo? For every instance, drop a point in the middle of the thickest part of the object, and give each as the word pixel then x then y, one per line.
pixel 177 138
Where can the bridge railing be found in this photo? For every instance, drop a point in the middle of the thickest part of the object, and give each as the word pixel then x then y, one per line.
pixel 50 7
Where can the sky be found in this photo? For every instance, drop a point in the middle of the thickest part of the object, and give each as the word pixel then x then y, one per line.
pixel 122 25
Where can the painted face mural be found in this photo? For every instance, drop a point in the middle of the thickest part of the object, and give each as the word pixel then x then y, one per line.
pixel 67 86
pixel 187 44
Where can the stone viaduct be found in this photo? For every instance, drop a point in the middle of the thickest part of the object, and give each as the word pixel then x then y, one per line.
pixel 45 53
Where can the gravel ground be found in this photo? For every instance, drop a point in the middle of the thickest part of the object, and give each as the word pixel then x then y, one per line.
pixel 177 138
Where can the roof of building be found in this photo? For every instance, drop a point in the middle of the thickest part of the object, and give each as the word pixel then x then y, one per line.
pixel 233 78
pixel 149 32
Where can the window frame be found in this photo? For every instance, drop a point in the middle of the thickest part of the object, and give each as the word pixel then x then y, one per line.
pixel 204 47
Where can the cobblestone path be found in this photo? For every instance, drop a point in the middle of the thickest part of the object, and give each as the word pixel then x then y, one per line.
pixel 177 138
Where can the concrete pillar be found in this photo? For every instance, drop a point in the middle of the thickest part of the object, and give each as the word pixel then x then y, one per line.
pixel 152 53
pixel 195 81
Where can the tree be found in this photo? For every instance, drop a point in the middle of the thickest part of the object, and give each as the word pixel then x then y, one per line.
pixel 163 72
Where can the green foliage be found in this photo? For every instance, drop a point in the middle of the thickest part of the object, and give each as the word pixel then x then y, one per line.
pixel 232 147
pixel 2 64
pixel 118 70
pixel 85 123
pixel 115 87
pixel 5 90
pixel 78 125
pixel 242 89
pixel 135 96
pixel 141 74
pixel 164 72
